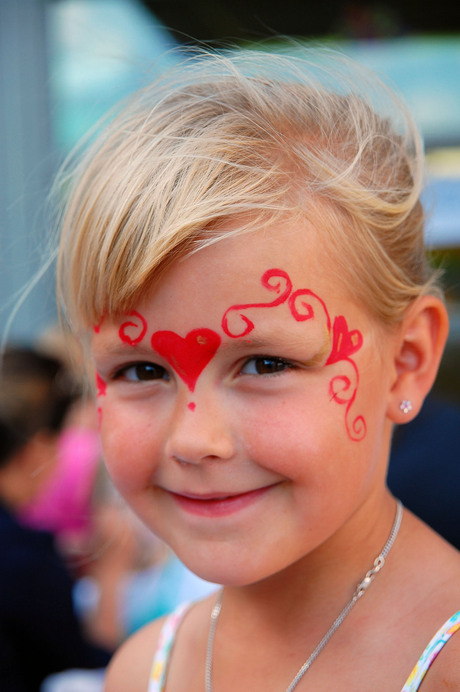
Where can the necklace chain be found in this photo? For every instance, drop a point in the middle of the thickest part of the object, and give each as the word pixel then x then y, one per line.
pixel 359 592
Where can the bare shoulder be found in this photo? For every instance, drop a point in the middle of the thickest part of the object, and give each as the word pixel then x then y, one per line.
pixel 130 667
pixel 445 671
pixel 437 598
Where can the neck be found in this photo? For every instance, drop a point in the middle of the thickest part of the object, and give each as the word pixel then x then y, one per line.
pixel 320 583
pixel 300 627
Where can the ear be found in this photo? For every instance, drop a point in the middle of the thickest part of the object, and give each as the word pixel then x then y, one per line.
pixel 419 348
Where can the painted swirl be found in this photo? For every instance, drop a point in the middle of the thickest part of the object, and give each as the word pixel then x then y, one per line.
pixel 273 280
pixel 139 327
pixel 302 309
pixel 343 392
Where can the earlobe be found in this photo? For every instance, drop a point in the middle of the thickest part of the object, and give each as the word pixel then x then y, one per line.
pixel 418 352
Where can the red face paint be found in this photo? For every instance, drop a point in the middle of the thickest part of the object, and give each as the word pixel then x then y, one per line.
pixel 345 342
pixel 137 329
pixel 301 308
pixel 97 327
pixel 342 392
pixel 100 386
pixel 273 279
pixel 190 355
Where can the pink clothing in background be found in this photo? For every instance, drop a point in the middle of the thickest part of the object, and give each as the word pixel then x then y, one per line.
pixel 63 505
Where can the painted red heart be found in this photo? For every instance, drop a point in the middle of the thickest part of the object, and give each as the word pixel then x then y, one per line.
pixel 344 342
pixel 190 355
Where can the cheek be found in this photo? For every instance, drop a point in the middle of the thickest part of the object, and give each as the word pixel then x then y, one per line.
pixel 282 432
pixel 303 438
pixel 129 449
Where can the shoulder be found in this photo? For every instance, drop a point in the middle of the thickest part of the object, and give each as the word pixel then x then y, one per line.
pixel 427 607
pixel 445 671
pixel 131 665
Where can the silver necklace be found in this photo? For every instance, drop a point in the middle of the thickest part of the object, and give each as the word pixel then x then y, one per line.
pixel 359 591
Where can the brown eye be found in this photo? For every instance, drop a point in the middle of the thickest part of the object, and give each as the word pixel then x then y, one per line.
pixel 142 372
pixel 265 365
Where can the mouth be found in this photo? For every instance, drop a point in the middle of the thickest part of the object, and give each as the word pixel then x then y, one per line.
pixel 218 505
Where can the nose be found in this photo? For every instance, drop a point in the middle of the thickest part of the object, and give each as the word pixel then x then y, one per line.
pixel 200 432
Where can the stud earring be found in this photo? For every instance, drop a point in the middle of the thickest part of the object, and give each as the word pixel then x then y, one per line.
pixel 406 406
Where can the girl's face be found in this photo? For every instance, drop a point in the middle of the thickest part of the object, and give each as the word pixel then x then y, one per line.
pixel 243 405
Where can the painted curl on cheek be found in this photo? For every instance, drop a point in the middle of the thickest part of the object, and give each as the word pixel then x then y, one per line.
pixel 345 344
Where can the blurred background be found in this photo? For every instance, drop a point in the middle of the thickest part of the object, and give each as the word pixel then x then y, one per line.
pixel 63 63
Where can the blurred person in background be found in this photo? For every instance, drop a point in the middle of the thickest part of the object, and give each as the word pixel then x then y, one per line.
pixel 77 504
pixel 40 631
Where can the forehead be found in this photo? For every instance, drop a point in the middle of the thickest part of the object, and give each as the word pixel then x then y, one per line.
pixel 233 266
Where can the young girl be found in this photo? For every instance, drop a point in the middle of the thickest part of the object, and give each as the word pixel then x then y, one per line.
pixel 242 252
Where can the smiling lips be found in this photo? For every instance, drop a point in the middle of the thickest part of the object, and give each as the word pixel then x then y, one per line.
pixel 218 505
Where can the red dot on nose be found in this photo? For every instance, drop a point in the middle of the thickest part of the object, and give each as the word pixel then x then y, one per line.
pixel 191 406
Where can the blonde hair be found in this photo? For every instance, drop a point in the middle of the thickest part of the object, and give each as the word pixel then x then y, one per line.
pixel 252 136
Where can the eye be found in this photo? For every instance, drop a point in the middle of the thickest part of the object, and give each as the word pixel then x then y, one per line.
pixel 265 365
pixel 142 372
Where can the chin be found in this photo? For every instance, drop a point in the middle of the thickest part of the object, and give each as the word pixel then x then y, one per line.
pixel 226 571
